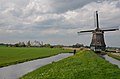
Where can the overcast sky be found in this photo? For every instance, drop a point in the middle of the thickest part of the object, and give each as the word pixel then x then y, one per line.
pixel 57 21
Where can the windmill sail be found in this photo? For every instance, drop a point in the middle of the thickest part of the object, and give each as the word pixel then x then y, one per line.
pixel 97 21
pixel 86 31
pixel 110 29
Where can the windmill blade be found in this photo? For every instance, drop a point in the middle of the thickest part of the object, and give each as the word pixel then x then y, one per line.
pixel 114 29
pixel 111 29
pixel 86 31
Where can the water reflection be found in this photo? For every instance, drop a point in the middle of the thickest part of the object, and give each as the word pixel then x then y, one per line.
pixel 18 70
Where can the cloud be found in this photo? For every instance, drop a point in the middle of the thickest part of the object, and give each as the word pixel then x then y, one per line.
pixel 49 31
pixel 32 19
pixel 61 6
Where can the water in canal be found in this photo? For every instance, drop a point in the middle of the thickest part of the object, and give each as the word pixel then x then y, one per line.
pixel 18 70
pixel 112 60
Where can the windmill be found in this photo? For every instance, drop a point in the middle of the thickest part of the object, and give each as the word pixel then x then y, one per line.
pixel 98 43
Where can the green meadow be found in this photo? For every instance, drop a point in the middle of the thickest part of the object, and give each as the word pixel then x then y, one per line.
pixel 83 65
pixel 14 55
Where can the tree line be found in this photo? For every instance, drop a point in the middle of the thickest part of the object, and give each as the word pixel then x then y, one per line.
pixel 40 44
pixel 31 44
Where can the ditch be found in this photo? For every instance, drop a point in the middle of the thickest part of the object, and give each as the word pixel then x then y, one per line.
pixel 18 70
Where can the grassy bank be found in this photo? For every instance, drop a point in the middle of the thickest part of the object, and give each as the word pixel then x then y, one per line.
pixel 83 65
pixel 114 56
pixel 12 55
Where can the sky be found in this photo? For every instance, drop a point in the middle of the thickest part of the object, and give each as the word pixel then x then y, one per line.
pixel 57 21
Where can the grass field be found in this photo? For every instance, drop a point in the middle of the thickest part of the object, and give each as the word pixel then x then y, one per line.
pixel 12 55
pixel 83 65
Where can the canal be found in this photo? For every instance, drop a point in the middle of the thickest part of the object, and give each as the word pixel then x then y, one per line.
pixel 112 60
pixel 18 70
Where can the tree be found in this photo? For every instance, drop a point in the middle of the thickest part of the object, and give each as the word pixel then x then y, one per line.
pixel 78 45
pixel 28 44
pixel 16 45
pixel 23 44
pixel 58 46
pixel 47 45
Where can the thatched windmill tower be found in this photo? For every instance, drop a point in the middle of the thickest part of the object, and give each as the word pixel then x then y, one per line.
pixel 98 43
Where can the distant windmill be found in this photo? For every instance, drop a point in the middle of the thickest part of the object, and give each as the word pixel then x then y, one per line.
pixel 98 43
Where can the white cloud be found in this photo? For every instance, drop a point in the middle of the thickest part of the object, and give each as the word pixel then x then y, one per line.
pixel 57 17
pixel 37 7
pixel 49 31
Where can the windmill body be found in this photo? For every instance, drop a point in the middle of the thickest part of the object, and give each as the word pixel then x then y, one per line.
pixel 98 43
